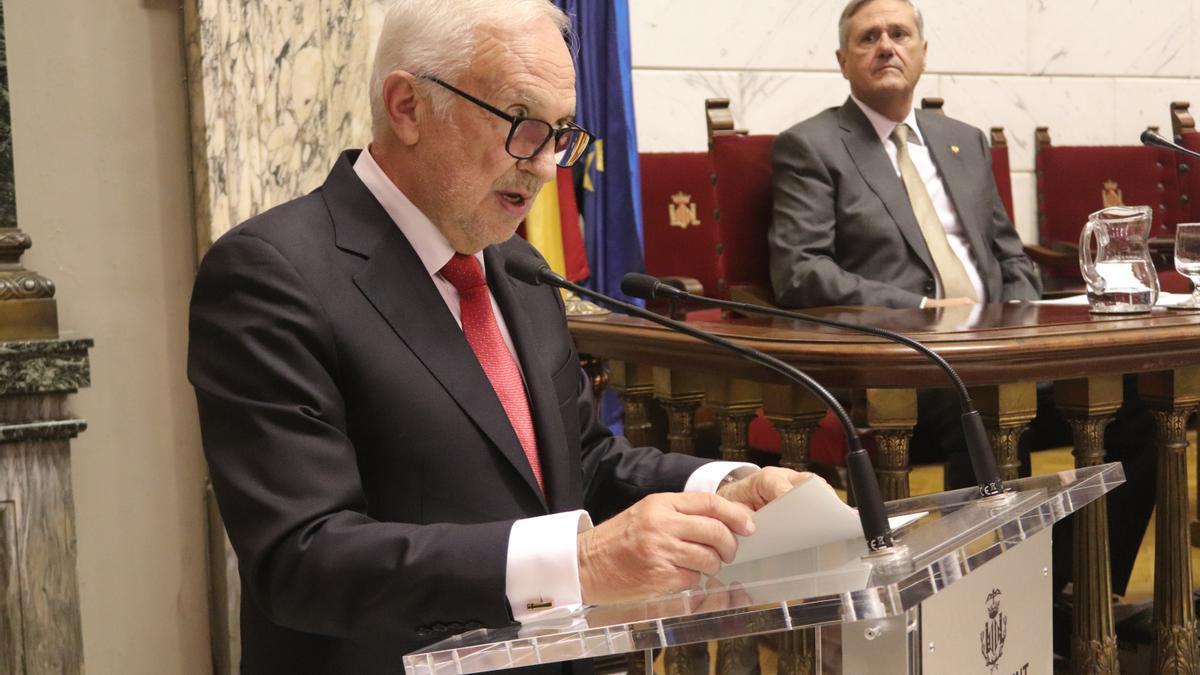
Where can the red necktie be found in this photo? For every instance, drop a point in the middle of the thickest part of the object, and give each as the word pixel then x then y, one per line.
pixel 483 334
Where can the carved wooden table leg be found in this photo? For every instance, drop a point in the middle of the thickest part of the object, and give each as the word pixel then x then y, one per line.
pixel 1172 397
pixel 686 659
pixel 680 393
pixel 795 413
pixel 1006 410
pixel 891 414
pixel 1088 405
pixel 735 402
pixel 635 383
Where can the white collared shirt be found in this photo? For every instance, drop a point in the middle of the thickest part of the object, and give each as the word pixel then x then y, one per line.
pixel 543 563
pixel 923 161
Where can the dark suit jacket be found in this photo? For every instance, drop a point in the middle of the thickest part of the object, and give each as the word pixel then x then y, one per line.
pixel 843 231
pixel 365 469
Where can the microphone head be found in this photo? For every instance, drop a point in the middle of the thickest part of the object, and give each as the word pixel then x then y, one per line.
pixel 643 286
pixel 527 268
pixel 1149 137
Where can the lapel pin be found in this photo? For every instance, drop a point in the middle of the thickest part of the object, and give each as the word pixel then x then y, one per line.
pixel 954 149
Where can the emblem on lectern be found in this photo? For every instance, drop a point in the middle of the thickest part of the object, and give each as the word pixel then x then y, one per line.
pixel 682 211
pixel 991 638
pixel 1111 194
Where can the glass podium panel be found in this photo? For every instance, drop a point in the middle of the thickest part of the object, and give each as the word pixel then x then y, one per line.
pixel 833 584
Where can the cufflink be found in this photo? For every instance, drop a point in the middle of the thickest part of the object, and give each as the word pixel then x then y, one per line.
pixel 540 604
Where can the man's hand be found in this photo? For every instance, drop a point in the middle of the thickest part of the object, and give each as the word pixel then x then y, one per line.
pixel 931 303
pixel 760 487
pixel 661 544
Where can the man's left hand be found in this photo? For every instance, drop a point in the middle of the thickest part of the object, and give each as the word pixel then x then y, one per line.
pixel 760 487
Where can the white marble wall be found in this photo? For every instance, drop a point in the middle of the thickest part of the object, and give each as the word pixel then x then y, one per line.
pixel 1094 71
pixel 277 89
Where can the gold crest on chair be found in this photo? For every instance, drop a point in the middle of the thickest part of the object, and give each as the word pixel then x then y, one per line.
pixel 682 211
pixel 1111 194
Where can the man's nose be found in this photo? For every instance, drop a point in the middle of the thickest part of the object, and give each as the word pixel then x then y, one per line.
pixel 542 164
pixel 885 46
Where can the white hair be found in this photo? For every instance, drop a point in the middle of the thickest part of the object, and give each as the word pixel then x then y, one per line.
pixel 852 8
pixel 437 38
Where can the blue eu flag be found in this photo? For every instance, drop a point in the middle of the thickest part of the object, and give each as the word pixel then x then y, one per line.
pixel 610 198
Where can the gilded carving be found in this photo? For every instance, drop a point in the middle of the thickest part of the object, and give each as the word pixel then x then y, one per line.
pixel 686 659
pixel 738 656
pixel 1172 428
pixel 1175 647
pixel 735 436
pixel 798 653
pixel 25 286
pixel 637 421
pixel 1095 657
pixel 680 419
pixel 1089 439
pixel 14 240
pixel 794 440
pixel 1004 446
pixel 893 462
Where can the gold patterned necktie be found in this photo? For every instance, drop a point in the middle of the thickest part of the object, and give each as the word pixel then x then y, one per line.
pixel 949 267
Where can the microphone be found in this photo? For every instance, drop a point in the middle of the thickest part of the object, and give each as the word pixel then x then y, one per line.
pixel 983 461
pixel 871 513
pixel 1151 138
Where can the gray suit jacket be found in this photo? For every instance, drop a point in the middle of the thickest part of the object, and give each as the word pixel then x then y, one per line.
pixel 843 232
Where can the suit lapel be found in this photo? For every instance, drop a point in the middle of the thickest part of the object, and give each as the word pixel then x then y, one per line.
pixel 956 176
pixel 543 401
pixel 395 282
pixel 872 161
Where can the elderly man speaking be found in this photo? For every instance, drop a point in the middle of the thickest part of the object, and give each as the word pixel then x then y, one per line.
pixel 401 438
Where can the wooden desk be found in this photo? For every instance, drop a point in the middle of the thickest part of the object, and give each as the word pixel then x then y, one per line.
pixel 1000 351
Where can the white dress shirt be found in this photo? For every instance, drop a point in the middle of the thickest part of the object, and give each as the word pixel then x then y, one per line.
pixel 543 564
pixel 919 152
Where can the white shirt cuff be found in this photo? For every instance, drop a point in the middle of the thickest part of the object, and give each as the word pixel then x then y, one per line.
pixel 542 572
pixel 708 477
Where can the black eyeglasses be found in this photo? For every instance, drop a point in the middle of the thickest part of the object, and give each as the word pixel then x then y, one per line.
pixel 528 136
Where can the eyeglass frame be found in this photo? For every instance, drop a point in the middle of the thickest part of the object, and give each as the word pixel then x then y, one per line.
pixel 515 120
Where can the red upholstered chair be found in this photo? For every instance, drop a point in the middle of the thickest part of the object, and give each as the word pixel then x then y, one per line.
pixel 1074 181
pixel 1001 168
pixel 678 222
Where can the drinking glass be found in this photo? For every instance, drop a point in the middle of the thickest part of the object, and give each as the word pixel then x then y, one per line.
pixel 1187 260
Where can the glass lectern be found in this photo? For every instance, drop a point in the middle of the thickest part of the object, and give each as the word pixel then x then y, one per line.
pixel 971 594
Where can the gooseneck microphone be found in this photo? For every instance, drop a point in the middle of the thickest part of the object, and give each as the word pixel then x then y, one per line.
pixel 1151 138
pixel 983 461
pixel 871 513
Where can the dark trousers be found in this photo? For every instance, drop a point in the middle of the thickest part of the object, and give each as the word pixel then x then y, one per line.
pixel 1129 439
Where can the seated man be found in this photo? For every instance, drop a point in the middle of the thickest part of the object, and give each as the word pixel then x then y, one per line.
pixel 400 437
pixel 876 203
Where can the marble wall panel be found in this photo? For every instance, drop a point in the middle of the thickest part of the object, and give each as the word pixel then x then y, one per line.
pixel 1079 111
pixel 1145 102
pixel 765 34
pixel 277 90
pixel 669 104
pixel 976 37
pixel 1111 37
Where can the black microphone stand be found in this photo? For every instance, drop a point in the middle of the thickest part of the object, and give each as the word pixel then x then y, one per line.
pixel 861 473
pixel 979 449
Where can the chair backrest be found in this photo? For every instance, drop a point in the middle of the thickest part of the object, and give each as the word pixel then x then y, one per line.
pixel 1183 127
pixel 1001 169
pixel 744 199
pixel 679 218
pixel 1074 181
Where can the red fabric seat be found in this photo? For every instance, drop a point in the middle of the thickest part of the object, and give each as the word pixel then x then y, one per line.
pixel 1001 170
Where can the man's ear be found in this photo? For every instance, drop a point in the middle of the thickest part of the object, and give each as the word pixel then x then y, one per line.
pixel 841 59
pixel 400 103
